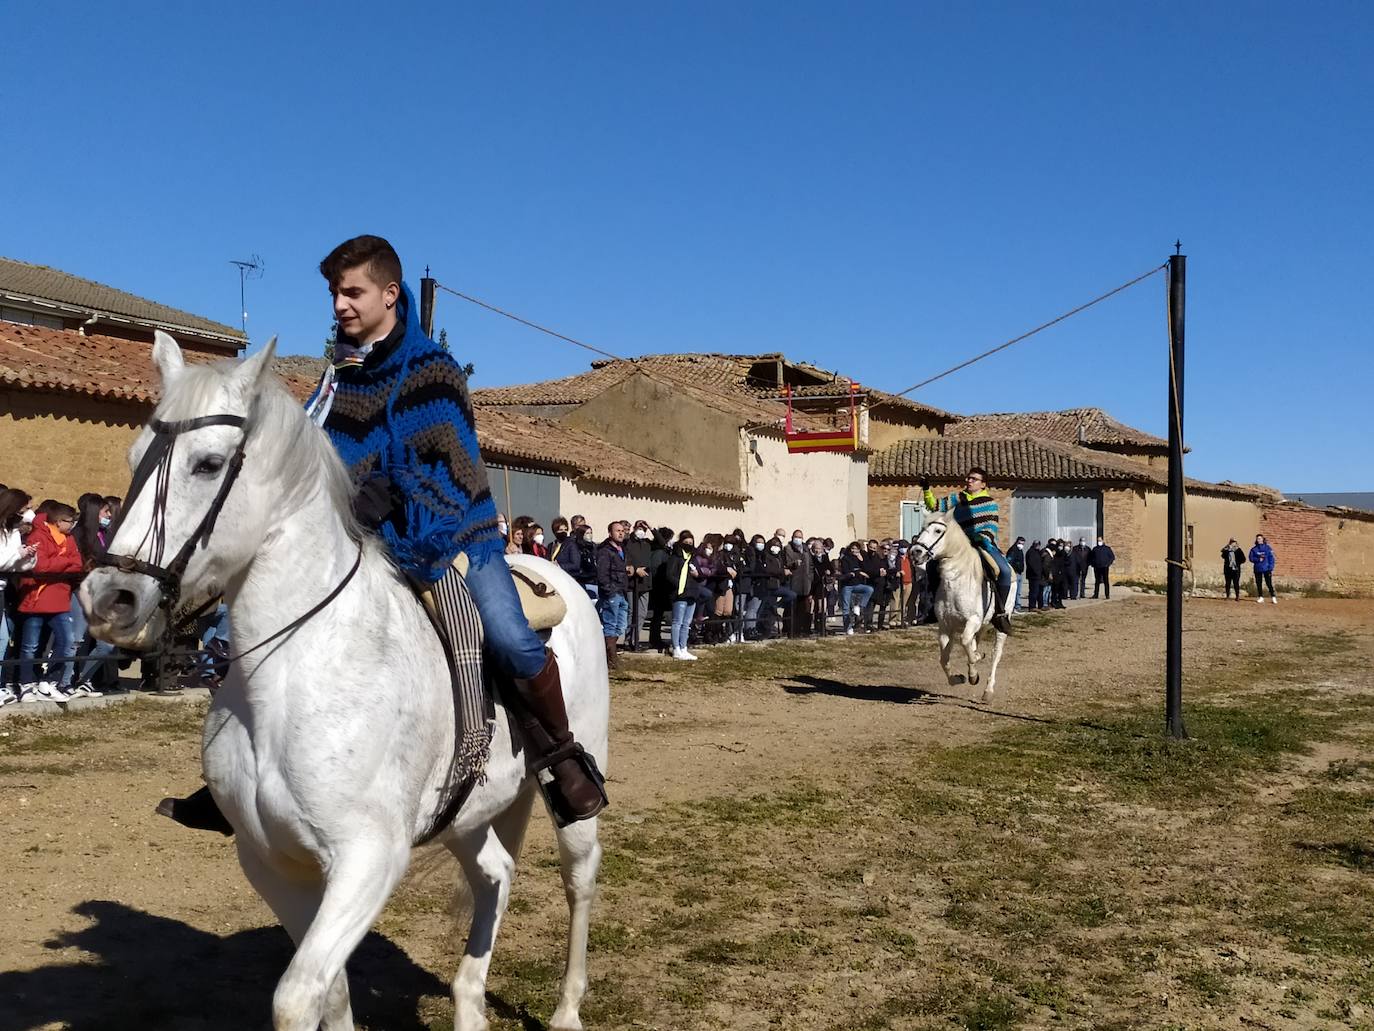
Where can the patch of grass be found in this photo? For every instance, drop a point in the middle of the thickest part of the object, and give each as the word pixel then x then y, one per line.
pixel 1209 984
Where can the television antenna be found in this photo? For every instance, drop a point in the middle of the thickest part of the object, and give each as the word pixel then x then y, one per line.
pixel 250 269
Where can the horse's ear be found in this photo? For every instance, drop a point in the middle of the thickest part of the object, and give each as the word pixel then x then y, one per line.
pixel 252 371
pixel 167 356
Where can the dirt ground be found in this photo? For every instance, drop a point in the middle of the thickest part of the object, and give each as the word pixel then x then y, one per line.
pixel 810 835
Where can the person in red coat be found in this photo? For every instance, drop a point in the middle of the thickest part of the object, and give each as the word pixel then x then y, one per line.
pixel 45 600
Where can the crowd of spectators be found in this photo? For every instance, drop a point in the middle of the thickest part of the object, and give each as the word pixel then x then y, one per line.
pixel 45 551
pixel 671 591
pixel 653 588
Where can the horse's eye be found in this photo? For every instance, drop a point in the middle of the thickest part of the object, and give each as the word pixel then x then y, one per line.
pixel 208 466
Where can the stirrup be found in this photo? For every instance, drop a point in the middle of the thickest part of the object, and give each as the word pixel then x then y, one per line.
pixel 563 812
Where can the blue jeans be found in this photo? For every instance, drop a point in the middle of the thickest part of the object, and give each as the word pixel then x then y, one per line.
pixel 28 644
pixel 5 675
pixel 507 632
pixel 682 622
pixel 1016 594
pixel 1003 566
pixel 615 614
pixel 90 661
pixel 851 595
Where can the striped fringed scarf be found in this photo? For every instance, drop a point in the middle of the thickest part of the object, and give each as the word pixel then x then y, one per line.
pixel 460 628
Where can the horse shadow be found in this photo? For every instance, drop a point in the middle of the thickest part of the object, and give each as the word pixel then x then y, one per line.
pixel 809 685
pixel 147 971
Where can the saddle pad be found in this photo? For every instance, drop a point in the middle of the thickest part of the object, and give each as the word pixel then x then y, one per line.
pixel 544 607
pixel 990 564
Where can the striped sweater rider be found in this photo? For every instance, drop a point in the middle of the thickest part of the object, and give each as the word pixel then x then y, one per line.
pixel 975 511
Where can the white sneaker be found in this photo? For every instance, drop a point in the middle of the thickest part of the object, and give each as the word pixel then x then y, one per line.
pixel 849 632
pixel 677 653
pixel 688 655
pixel 83 690
pixel 7 696
pixel 857 611
pixel 48 691
pixel 1274 600
pixel 1260 600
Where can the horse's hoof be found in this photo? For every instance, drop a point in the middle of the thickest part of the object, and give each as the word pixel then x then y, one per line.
pixel 955 679
pixel 987 697
pixel 973 679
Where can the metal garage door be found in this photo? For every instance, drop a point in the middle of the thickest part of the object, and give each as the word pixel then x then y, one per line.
pixel 520 492
pixel 1039 515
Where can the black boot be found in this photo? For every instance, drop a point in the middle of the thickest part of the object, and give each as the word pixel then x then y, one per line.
pixel 198 810
pixel 578 790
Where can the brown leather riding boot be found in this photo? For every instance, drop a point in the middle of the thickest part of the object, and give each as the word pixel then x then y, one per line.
pixel 577 791
pixel 612 659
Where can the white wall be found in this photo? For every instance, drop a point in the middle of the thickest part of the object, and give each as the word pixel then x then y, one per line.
pixel 824 494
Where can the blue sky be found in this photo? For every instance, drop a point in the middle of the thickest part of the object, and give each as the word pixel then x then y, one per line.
pixel 879 188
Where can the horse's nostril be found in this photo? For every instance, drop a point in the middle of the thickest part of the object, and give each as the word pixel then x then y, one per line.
pixel 117 607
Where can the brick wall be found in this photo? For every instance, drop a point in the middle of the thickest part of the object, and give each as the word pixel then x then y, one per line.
pixel 885 504
pixel 1298 537
pixel 1122 528
pixel 62 445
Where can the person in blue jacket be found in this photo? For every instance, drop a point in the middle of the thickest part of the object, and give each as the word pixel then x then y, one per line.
pixel 1262 559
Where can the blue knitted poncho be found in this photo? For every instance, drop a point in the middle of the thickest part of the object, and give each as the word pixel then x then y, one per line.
pixel 405 413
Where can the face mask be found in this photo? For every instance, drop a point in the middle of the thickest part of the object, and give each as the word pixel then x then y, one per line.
pixel 538 538
pixel 774 548
pixel 502 528
pixel 26 516
pixel 642 534
pixel 104 522
pixel 707 551
pixel 687 545
pixel 758 545
pixel 798 541
pixel 1099 543
pixel 729 546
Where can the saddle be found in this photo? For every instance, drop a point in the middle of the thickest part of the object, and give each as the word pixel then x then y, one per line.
pixel 543 606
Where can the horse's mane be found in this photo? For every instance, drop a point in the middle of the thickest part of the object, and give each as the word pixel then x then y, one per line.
pixel 280 435
pixel 958 548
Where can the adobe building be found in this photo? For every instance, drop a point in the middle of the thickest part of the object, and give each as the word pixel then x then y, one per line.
pixel 76 376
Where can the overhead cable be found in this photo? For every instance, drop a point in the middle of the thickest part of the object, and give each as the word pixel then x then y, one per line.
pixel 526 322
pixel 1023 336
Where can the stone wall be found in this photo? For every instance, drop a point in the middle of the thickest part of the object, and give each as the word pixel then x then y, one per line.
pixel 62 445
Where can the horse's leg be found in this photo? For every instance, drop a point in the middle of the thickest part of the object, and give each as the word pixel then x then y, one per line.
pixel 1001 640
pixel 489 868
pixel 946 647
pixel 295 902
pixel 579 854
pixel 969 639
pixel 356 887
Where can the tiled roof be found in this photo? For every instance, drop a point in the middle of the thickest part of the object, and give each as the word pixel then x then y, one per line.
pixel 38 282
pixel 1096 425
pixel 64 361
pixel 706 383
pixel 544 442
pixel 1017 460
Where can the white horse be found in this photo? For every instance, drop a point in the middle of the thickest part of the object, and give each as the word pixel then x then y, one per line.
pixel 962 606
pixel 329 749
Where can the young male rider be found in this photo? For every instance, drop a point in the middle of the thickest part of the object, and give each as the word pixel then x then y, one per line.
pixel 396 407
pixel 976 511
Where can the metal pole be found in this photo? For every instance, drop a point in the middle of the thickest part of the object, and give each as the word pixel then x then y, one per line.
pixel 1173 651
pixel 427 306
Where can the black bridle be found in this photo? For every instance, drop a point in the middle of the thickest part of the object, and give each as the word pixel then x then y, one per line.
pixel 156 465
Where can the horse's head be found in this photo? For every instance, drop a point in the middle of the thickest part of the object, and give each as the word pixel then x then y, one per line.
pixel 931 541
pixel 192 519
